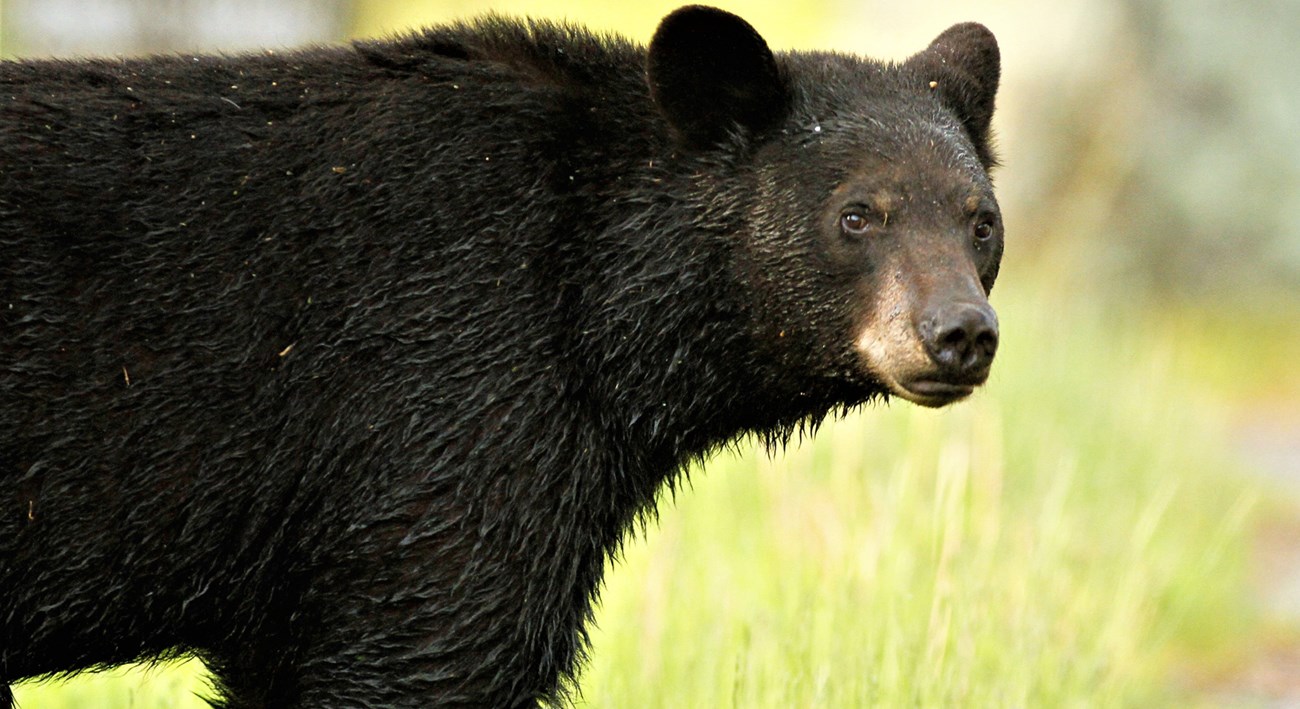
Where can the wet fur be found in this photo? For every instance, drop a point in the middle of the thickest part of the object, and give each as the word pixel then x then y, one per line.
pixel 346 369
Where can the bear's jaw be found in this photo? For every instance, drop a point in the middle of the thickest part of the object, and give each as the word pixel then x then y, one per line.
pixel 919 387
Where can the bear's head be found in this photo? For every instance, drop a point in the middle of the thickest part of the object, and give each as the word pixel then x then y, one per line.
pixel 858 195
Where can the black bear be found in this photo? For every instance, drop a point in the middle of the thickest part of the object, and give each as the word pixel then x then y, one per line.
pixel 346 369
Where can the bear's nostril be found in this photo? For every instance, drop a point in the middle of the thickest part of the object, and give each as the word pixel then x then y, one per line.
pixel 956 338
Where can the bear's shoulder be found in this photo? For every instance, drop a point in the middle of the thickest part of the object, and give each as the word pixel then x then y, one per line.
pixel 544 51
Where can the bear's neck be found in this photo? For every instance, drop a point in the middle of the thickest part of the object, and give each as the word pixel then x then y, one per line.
pixel 667 361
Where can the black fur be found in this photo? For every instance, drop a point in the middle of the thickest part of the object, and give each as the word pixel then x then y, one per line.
pixel 346 369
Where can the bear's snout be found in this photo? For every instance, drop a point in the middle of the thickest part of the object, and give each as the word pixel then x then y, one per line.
pixel 937 356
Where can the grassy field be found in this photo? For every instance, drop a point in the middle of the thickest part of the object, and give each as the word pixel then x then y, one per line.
pixel 1069 537
pixel 1066 539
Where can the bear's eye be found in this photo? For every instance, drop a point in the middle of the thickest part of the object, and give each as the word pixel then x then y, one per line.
pixel 984 229
pixel 854 223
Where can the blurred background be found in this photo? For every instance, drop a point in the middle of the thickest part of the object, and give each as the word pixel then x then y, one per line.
pixel 1110 523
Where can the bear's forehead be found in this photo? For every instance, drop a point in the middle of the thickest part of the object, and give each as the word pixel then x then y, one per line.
pixel 878 149
pixel 879 114
pixel 898 127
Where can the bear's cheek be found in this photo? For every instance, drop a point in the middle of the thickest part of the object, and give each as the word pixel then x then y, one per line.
pixel 885 338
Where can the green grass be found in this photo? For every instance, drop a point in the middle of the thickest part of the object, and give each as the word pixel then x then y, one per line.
pixel 179 685
pixel 1070 537
pixel 1065 539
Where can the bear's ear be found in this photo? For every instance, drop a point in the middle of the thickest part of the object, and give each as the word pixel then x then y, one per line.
pixel 963 65
pixel 710 72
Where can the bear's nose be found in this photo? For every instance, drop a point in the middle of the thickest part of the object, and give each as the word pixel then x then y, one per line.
pixel 961 338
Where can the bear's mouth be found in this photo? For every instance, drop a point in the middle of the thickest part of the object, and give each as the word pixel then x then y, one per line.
pixel 925 386
pixel 933 392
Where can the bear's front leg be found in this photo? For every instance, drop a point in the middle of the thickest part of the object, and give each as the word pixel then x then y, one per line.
pixel 486 610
